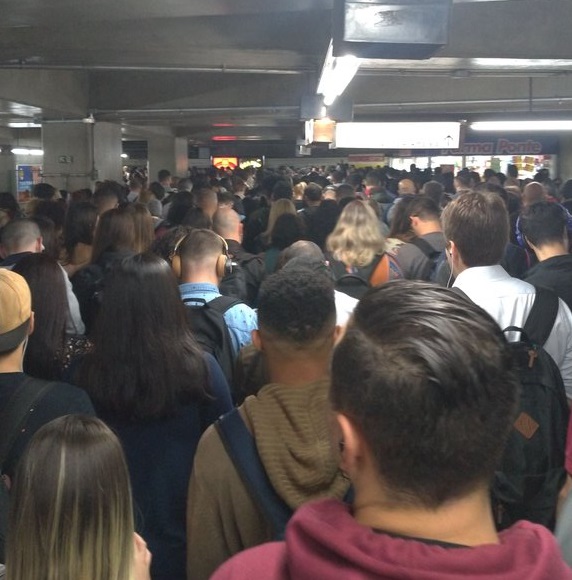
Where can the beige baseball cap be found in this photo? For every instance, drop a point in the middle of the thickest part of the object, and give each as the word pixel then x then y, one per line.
pixel 15 310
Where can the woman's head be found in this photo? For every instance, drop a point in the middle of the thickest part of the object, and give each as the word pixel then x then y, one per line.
pixel 71 514
pixel 357 237
pixel 80 225
pixel 278 208
pixel 401 223
pixel 115 232
pixel 50 306
pixel 145 361
pixel 144 229
pixel 289 228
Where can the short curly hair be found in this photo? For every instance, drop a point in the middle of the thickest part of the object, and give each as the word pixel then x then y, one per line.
pixel 297 305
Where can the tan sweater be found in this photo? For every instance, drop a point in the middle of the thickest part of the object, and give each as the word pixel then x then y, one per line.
pixel 291 427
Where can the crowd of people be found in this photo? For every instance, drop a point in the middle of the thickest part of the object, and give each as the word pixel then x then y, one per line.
pixel 327 359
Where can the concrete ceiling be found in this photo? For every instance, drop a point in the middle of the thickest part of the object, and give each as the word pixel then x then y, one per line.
pixel 216 68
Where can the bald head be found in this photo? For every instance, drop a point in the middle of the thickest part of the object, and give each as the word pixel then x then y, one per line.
pixel 226 223
pixel 406 187
pixel 532 193
pixel 20 236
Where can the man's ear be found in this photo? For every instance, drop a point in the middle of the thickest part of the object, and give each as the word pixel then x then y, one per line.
pixel 351 445
pixel 256 340
pixel 414 222
pixel 40 245
pixel 339 332
pixel 32 323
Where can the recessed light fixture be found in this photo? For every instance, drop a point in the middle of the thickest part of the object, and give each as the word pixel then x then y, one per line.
pixel 564 125
pixel 23 125
pixel 22 151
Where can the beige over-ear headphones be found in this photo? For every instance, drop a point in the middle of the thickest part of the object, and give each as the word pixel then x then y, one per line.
pixel 223 264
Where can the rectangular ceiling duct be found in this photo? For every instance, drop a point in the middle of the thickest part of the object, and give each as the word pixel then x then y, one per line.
pixel 401 29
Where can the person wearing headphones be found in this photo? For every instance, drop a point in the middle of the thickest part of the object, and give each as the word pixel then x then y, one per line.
pixel 200 261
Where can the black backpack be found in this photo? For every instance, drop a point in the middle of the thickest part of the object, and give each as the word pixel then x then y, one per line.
pixel 356 283
pixel 531 473
pixel 436 257
pixel 12 420
pixel 241 448
pixel 206 319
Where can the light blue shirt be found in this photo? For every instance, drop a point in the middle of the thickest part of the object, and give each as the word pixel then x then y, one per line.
pixel 240 319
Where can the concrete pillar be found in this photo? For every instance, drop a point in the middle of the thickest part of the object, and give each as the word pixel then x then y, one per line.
pixel 7 172
pixel 108 151
pixel 564 169
pixel 167 152
pixel 78 154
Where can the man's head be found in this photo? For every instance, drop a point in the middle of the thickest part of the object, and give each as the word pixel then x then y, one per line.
pixel 476 227
pixel 282 189
pixel 21 235
pixel 164 178
pixel 406 187
pixel 435 191
pixel 345 191
pixel 15 311
pixel 227 224
pixel 202 257
pixel 106 197
pixel 301 250
pixel 423 386
pixel 374 179
pixel 206 198
pixel 423 213
pixel 532 193
pixel 296 312
pixel 44 191
pixel 544 224
pixel 463 181
pixel 313 194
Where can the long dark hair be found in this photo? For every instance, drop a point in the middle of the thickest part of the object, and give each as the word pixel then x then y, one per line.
pixel 146 362
pixel 43 358
pixel 115 232
pixel 79 226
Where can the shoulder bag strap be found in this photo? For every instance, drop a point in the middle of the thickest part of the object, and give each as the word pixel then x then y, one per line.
pixel 542 316
pixel 380 274
pixel 241 448
pixel 14 415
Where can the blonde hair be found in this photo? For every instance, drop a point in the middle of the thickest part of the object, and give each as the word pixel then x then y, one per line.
pixel 357 238
pixel 71 514
pixel 278 208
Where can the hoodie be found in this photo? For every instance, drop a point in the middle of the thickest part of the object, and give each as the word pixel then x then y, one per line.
pixel 290 426
pixel 324 541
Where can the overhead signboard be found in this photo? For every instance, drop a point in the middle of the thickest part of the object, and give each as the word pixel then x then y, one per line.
pixel 397 135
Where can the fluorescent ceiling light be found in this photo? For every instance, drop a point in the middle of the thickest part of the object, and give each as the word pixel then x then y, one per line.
pixel 565 125
pixel 22 151
pixel 398 135
pixel 124 156
pixel 23 125
pixel 337 73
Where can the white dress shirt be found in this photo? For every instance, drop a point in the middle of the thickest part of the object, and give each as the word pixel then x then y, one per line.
pixel 509 301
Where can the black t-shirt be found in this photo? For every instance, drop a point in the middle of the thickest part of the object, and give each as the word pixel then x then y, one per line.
pixel 556 274
pixel 61 399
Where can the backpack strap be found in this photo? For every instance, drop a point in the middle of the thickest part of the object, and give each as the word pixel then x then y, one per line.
pixel 15 413
pixel 380 274
pixel 223 303
pixel 241 448
pixel 542 316
pixel 430 252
